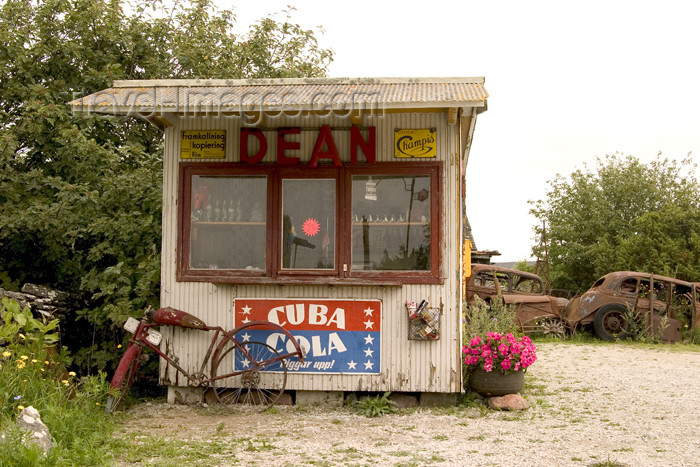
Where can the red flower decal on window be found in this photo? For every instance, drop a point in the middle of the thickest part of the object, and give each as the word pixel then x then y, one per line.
pixel 311 227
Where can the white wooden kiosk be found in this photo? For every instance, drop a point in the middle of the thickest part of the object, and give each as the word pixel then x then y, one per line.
pixel 323 205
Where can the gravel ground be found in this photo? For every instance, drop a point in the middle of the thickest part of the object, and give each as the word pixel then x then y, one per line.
pixel 614 404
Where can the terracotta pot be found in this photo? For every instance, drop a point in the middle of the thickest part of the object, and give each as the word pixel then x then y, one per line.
pixel 495 383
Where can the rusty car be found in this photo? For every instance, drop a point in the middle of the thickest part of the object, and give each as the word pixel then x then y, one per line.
pixel 660 306
pixel 535 310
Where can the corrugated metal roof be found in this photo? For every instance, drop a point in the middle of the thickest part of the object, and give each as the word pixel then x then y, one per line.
pixel 321 94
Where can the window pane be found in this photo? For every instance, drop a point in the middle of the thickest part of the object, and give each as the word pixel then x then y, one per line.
pixel 391 222
pixel 228 222
pixel 308 223
pixel 526 284
pixel 485 279
pixel 629 286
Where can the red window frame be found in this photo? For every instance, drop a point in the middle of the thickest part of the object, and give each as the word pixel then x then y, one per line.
pixel 432 276
pixel 302 173
pixel 342 274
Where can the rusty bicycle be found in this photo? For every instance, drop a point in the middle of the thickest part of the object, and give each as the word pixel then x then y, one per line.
pixel 241 372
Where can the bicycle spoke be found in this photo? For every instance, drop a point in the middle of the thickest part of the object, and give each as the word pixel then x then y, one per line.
pixel 263 377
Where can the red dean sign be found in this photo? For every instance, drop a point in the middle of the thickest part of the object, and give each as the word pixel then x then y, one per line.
pixel 324 148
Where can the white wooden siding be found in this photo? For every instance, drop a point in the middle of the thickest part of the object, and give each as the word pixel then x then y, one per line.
pixel 406 365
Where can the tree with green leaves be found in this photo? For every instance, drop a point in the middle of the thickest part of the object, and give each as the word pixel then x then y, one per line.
pixel 80 195
pixel 624 215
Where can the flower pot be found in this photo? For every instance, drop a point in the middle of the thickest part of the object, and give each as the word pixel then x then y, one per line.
pixel 495 383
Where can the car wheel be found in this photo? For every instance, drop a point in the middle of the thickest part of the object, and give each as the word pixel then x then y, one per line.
pixel 553 327
pixel 611 322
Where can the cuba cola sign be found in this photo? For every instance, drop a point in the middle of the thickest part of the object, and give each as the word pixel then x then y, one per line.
pixel 339 336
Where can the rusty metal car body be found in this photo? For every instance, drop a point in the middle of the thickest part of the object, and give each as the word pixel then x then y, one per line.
pixel 607 305
pixel 536 312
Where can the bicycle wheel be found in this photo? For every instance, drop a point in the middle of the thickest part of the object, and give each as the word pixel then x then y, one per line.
pixel 261 385
pixel 123 377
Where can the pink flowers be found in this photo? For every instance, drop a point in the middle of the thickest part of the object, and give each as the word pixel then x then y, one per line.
pixel 506 353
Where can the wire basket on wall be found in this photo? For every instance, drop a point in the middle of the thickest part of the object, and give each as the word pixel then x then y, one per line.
pixel 425 324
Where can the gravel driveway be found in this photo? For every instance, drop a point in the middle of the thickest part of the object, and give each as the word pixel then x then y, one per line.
pixel 614 403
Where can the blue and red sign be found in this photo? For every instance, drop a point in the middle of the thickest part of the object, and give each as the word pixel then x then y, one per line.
pixel 339 336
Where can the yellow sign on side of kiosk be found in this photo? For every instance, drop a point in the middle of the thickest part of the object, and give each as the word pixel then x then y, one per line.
pixel 203 144
pixel 415 143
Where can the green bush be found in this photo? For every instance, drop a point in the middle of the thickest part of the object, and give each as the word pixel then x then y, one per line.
pixel 33 373
pixel 482 317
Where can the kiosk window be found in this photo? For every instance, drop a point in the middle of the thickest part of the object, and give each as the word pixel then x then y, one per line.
pixel 265 224
pixel 391 222
pixel 227 222
pixel 308 224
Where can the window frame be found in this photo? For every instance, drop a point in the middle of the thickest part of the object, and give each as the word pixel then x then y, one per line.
pixel 343 274
pixel 284 173
pixel 434 170
pixel 185 273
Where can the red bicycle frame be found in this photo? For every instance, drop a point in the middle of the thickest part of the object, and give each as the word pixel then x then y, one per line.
pixel 171 317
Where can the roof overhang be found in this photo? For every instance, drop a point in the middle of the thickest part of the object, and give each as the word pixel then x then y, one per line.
pixel 159 100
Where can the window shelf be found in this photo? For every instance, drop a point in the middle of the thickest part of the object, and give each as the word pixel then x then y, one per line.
pixel 220 223
pixel 390 224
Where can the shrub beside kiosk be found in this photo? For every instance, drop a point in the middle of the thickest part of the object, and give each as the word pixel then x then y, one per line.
pixel 328 206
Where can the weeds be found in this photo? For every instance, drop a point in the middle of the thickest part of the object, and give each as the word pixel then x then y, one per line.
pixel 638 331
pixel 32 373
pixel 694 336
pixel 375 406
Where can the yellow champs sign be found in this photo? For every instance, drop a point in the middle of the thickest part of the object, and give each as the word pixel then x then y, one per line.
pixel 203 144
pixel 415 143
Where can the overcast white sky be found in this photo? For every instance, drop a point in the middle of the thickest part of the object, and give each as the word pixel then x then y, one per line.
pixel 569 82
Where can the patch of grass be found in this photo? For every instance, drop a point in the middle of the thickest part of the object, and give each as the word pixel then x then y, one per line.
pixel 401 453
pixel 608 463
pixel 533 388
pixel 512 416
pixel 139 448
pixel 220 428
pixel 542 403
pixel 258 445
pixel 350 450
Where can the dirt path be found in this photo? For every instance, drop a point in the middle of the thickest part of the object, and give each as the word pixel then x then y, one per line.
pixel 591 403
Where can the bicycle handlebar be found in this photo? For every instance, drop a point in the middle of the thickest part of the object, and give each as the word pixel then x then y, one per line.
pixel 172 317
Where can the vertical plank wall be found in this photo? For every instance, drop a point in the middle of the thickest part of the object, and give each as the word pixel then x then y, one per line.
pixel 406 365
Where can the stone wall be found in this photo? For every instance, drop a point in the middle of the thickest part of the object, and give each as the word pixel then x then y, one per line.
pixel 41 300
